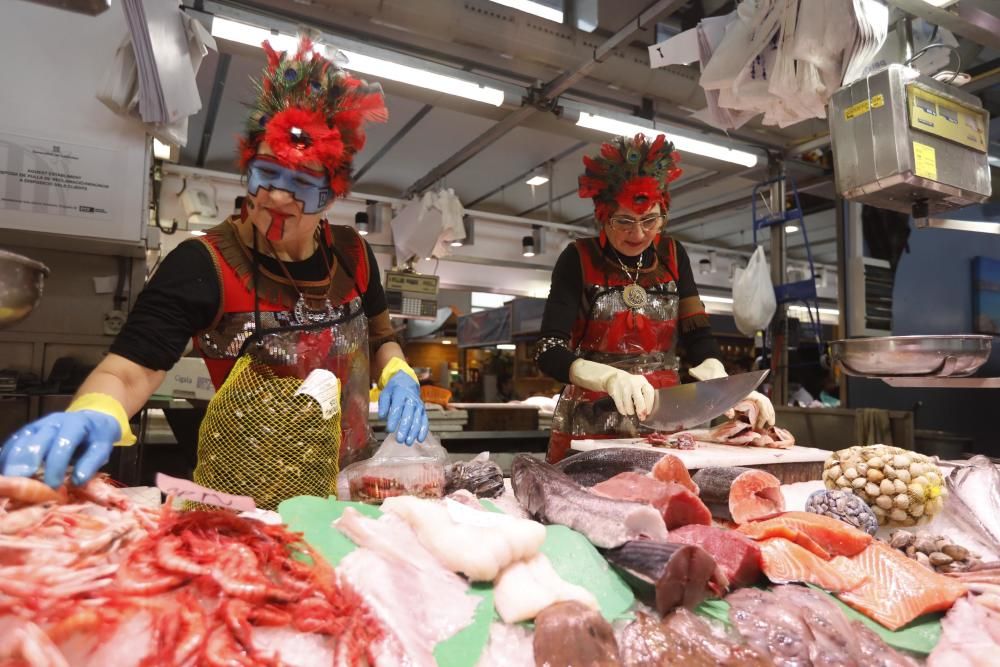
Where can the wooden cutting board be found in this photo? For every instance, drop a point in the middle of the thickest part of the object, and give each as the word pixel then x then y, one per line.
pixel 797 464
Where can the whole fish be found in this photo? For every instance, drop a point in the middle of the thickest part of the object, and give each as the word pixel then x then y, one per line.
pixel 598 465
pixel 974 500
pixel 552 497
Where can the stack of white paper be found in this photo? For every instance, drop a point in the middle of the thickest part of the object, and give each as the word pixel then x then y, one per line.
pixel 168 91
pixel 762 59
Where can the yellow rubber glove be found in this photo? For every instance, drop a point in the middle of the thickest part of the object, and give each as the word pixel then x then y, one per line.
pixel 394 366
pixel 109 406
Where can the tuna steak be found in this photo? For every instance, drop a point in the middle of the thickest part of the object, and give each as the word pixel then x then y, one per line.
pixel 678 506
pixel 737 555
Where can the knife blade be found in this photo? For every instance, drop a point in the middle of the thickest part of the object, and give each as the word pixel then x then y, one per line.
pixel 685 406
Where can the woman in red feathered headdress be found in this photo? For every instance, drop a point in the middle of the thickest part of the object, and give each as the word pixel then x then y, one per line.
pixel 272 296
pixel 620 302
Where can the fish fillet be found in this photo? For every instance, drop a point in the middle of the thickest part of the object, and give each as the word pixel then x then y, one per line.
pixel 898 589
pixel 830 536
pixel 396 576
pixel 966 639
pixel 527 587
pixel 476 544
pixel 672 469
pixel 786 562
pixel 677 504
pixel 553 497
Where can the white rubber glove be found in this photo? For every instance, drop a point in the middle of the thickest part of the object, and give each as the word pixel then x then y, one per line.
pixel 632 394
pixel 711 369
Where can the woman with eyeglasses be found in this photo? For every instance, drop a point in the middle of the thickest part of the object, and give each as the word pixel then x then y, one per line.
pixel 620 302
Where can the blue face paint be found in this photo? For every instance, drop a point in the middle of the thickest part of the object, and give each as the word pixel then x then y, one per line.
pixel 310 189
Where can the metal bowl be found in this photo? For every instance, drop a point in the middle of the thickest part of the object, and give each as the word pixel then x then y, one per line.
pixel 912 356
pixel 21 281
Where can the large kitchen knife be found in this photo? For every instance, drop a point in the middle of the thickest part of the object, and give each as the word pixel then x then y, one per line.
pixel 685 406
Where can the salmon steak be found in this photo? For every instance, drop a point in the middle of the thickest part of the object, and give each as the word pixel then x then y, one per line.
pixel 823 535
pixel 785 562
pixel 677 504
pixel 740 494
pixel 897 589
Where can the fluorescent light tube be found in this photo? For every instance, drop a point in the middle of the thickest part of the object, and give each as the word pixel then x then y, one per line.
pixel 681 143
pixel 536 8
pixel 537 180
pixel 791 229
pixel 506 346
pixel 358 62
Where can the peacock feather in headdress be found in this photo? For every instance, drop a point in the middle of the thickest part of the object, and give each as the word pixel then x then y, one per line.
pixel 634 173
pixel 308 109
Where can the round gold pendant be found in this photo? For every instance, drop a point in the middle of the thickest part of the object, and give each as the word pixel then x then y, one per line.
pixel 634 296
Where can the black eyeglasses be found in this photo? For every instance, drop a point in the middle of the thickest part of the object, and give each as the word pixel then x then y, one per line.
pixel 624 223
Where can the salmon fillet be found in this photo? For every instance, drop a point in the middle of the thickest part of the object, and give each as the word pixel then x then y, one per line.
pixel 898 589
pixel 672 469
pixel 830 536
pixel 785 562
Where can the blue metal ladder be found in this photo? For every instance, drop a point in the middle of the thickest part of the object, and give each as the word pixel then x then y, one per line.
pixel 802 291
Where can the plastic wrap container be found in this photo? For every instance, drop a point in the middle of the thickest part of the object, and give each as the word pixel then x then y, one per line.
pixel 396 470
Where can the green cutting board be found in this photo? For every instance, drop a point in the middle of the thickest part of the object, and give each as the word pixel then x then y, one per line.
pixel 312 517
pixel 576 560
pixel 920 636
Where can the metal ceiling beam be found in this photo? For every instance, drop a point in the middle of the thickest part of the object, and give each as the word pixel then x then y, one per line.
pixel 543 98
pixel 212 111
pixel 555 158
pixel 546 203
pixel 403 131
pixel 694 218
pixel 962 19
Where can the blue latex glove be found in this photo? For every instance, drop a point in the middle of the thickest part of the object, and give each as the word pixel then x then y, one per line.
pixel 54 440
pixel 403 409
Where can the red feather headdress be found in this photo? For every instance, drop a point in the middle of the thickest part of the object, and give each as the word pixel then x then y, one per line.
pixel 310 110
pixel 634 173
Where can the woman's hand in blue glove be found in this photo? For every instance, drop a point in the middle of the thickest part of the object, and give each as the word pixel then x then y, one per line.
pixel 403 409
pixel 55 439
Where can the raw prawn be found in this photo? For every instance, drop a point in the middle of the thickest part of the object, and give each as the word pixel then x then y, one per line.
pixel 27 490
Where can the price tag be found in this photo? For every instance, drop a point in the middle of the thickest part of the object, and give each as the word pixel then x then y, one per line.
pixel 188 490
pixel 324 387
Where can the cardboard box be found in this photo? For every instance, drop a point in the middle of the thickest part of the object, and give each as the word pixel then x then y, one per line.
pixel 189 378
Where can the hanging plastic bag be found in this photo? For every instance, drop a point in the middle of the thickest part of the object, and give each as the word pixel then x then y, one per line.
pixel 396 470
pixel 753 295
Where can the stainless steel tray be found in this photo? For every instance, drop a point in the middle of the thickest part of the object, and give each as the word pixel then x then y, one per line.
pixel 912 356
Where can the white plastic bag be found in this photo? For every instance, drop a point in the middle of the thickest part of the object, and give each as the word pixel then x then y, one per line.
pixel 753 295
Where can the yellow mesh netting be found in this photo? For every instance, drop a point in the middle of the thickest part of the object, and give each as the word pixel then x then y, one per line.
pixel 261 439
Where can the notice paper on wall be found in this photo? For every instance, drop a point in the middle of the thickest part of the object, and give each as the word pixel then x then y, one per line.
pixel 57 178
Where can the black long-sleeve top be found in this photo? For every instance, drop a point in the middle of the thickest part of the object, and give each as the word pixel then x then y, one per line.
pixel 564 302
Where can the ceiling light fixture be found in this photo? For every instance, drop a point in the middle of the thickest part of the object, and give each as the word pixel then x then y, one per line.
pixel 197 232
pixel 528 246
pixel 791 229
pixel 537 180
pixel 358 62
pixel 445 341
pixel 506 346
pixel 681 143
pixel 535 8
